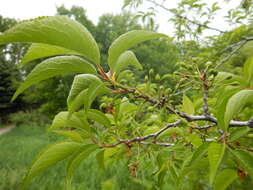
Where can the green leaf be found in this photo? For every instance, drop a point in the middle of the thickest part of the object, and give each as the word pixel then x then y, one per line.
pixel 73 135
pixel 248 69
pixel 198 154
pixel 85 88
pixel 125 107
pixel 237 133
pixel 80 83
pixel 77 102
pixel 195 140
pixel 229 78
pixel 128 40
pixel 221 76
pixel 85 151
pixel 50 157
pixel 53 67
pixel 125 59
pixel 63 119
pixel 95 89
pixel 222 103
pixel 224 179
pixel 236 103
pixel 245 159
pixel 79 91
pixel 99 117
pixel 100 159
pixel 54 30
pixel 188 106
pixel 215 155
pixel 109 184
pixel 38 51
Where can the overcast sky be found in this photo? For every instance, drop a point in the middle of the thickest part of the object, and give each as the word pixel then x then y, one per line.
pixel 25 9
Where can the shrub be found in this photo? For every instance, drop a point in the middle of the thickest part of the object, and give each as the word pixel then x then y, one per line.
pixel 28 118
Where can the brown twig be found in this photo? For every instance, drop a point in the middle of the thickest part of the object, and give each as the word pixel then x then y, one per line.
pixel 143 138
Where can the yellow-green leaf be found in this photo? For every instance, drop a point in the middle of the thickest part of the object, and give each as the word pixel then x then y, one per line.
pixel 215 155
pixel 237 133
pixel 100 159
pixel 222 103
pixel 98 116
pixel 54 30
pixel 245 160
pixel 73 135
pixel 64 119
pixel 38 51
pixel 188 106
pixel 224 179
pixel 76 160
pixel 236 103
pixel 248 69
pixel 49 157
pixel 128 40
pixel 53 67
pixel 125 59
pixel 85 88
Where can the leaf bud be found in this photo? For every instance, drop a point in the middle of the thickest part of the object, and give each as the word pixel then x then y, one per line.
pixel 103 105
pixel 157 77
pixel 196 77
pixel 213 72
pixel 209 63
pixel 161 87
pixel 151 72
pixel 189 66
pixel 146 78
pixel 168 91
pixel 150 108
pixel 176 73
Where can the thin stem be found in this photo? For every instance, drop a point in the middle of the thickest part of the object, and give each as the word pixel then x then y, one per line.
pixel 185 18
pixel 143 138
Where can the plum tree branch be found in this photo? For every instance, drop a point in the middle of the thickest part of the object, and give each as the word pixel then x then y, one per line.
pixel 235 48
pixel 143 138
pixel 157 143
pixel 192 118
pixel 185 18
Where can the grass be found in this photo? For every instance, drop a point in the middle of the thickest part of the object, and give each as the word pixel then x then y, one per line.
pixel 19 148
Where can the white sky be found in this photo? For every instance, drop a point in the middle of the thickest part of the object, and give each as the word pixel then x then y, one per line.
pixel 25 9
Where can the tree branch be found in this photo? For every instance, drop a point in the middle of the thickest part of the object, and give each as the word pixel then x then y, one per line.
pixel 192 118
pixel 157 143
pixel 205 127
pixel 236 47
pixel 143 138
pixel 185 18
pixel 187 117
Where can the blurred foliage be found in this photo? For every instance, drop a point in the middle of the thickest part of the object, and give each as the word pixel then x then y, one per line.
pixel 10 75
pixel 29 118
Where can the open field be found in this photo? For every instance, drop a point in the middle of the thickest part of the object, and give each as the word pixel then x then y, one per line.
pixel 20 146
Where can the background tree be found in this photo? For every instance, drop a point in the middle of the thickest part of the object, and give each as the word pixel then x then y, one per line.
pixel 10 75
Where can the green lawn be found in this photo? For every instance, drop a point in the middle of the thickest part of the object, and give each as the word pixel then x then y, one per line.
pixel 19 147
